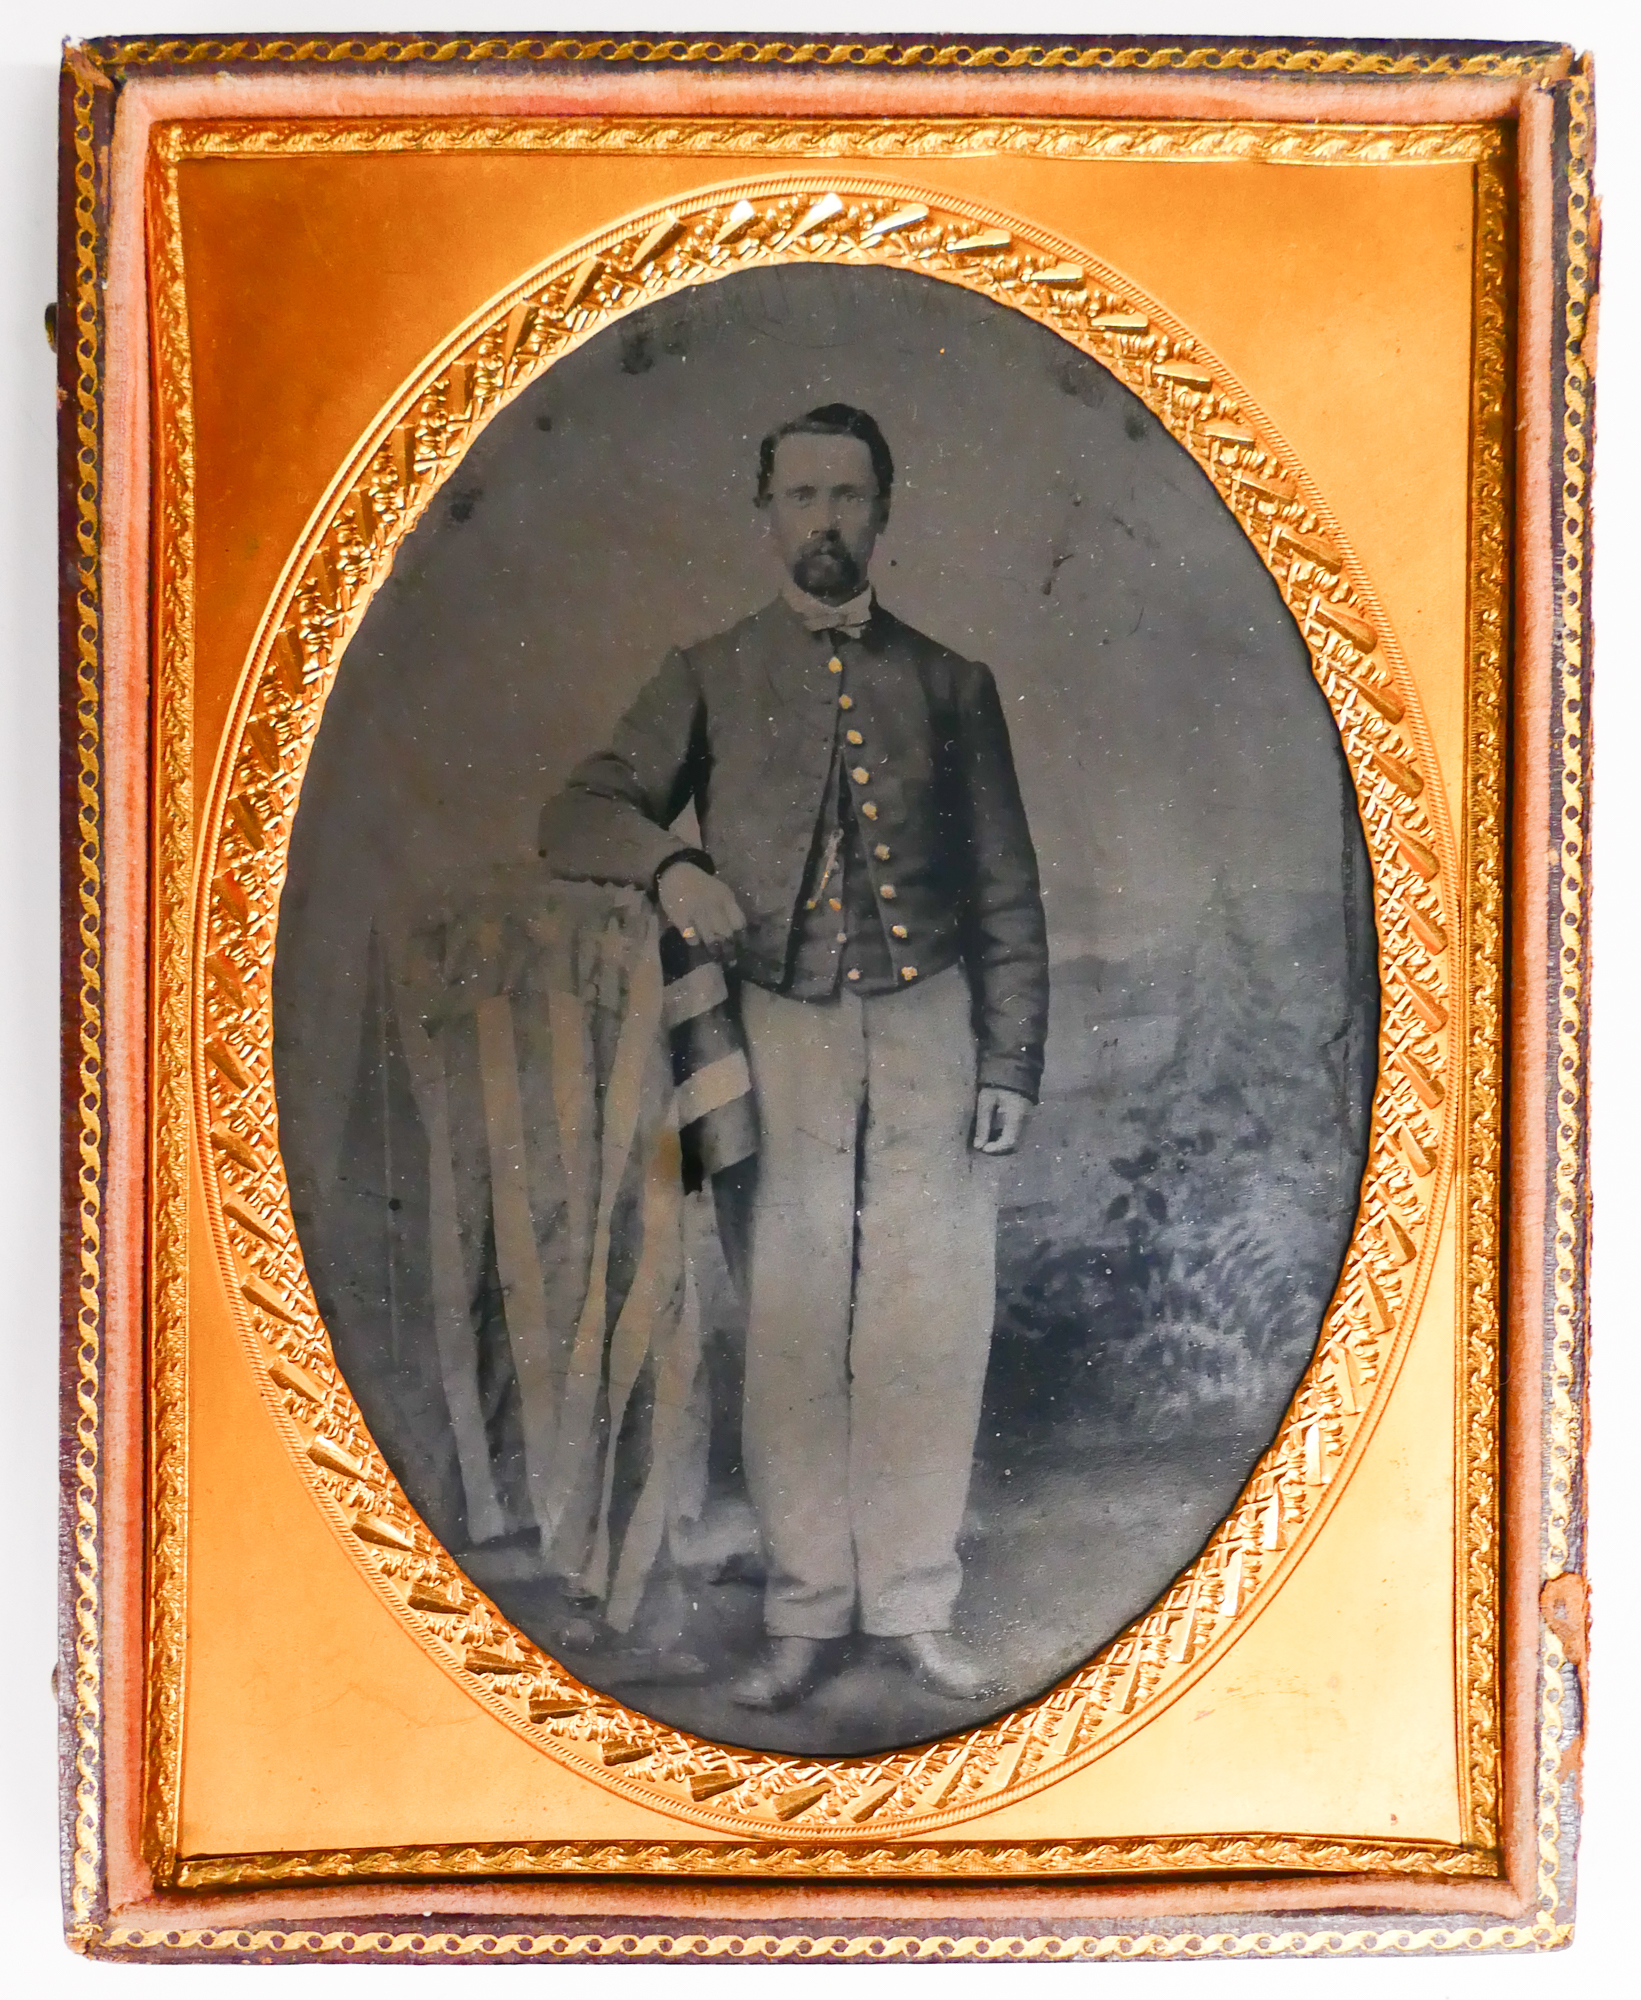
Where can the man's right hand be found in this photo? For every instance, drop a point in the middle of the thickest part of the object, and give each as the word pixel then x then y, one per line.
pixel 702 908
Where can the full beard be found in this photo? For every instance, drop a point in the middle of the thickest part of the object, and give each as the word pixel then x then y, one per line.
pixel 826 569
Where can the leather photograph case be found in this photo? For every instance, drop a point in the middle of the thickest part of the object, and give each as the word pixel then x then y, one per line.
pixel 824 823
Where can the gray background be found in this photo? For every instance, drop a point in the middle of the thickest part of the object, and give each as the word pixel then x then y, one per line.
pixel 1175 1222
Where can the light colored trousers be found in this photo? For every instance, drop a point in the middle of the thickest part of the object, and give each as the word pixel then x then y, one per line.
pixel 872 1293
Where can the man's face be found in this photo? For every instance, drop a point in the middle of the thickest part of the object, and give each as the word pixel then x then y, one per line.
pixel 825 513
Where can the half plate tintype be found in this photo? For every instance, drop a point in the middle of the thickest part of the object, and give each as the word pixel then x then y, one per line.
pixel 743 1287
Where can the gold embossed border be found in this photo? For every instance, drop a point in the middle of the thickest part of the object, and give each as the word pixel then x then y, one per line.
pixel 169 1137
pixel 1130 1855
pixel 1265 140
pixel 320 603
pixel 84 1110
pixel 1545 1932
pixel 1558 1407
pixel 1315 59
pixel 1481 1082
pixel 329 596
pixel 1570 1011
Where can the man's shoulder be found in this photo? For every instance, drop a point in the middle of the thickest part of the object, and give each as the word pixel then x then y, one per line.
pixel 931 656
pixel 758 633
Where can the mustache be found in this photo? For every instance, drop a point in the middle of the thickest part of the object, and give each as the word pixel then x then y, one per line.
pixel 825 564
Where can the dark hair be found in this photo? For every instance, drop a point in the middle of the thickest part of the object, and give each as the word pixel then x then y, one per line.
pixel 830 420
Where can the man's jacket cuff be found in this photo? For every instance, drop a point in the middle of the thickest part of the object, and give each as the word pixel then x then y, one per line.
pixel 696 857
pixel 1010 1073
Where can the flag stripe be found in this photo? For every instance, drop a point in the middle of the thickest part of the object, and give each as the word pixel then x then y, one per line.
pixel 713 1087
pixel 702 1042
pixel 694 994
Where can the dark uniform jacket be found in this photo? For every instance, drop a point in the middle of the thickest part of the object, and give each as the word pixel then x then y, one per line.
pixel 744 727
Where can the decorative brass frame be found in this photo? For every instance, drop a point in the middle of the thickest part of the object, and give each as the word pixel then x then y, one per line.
pixel 86 1134
pixel 847 1807
pixel 88 1929
pixel 1015 53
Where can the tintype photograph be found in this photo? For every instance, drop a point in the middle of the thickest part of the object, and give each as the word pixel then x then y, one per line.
pixel 825 1010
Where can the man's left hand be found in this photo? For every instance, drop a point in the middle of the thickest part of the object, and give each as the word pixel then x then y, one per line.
pixel 999 1119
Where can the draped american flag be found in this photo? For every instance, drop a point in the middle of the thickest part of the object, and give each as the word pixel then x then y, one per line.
pixel 577 1073
pixel 717 1116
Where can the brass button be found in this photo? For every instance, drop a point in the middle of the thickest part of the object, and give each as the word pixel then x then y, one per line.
pixel 853 736
pixel 853 972
pixel 846 701
pixel 843 937
pixel 881 851
pixel 869 810
pixel 832 903
pixel 908 972
pixel 834 665
pixel 897 930
pixel 861 775
pixel 887 892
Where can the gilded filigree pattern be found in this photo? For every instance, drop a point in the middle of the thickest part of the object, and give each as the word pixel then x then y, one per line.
pixel 376 500
pixel 1476 1486
pixel 84 1106
pixel 908 1948
pixel 868 138
pixel 173 952
pixel 639 49
pixel 1568 1247
pixel 813 1859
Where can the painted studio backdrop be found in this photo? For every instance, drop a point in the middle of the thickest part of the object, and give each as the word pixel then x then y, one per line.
pixel 473 1096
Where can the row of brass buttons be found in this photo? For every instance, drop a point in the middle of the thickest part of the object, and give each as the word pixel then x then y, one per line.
pixel 862 776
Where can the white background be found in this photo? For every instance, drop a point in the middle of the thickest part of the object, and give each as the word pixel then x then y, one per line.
pixel 1605 1959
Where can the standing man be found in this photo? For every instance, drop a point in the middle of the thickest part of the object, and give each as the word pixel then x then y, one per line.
pixel 867 868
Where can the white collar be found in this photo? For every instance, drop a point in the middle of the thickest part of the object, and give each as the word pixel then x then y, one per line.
pixel 822 617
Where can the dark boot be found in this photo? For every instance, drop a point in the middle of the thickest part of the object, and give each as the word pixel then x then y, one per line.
pixel 944 1665
pixel 787 1670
